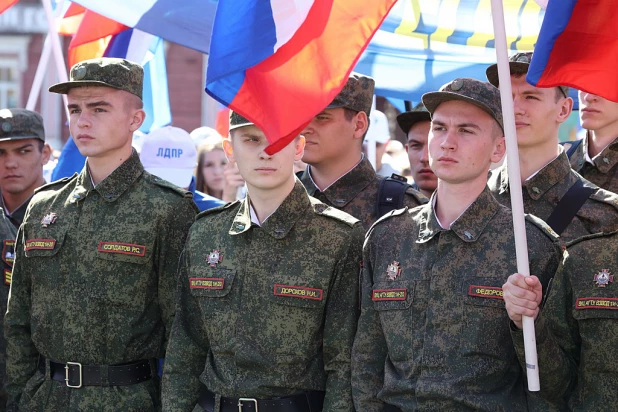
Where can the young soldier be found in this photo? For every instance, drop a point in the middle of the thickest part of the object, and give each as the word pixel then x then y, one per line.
pixel 433 333
pixel 338 174
pixel 572 206
pixel 92 297
pixel 23 153
pixel 576 328
pixel 415 124
pixel 268 296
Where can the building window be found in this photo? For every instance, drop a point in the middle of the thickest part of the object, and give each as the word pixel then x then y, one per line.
pixel 9 83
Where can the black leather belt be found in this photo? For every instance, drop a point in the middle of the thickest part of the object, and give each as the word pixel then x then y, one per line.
pixel 302 402
pixel 76 375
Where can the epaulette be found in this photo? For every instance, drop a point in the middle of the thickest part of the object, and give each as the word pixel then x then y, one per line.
pixel 164 183
pixel 216 209
pixel 422 199
pixel 325 210
pixel 604 196
pixel 591 236
pixel 392 213
pixel 55 184
pixel 545 228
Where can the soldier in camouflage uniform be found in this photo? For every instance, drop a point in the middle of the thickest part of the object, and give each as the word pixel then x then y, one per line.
pixel 433 332
pixel 546 173
pixel 596 158
pixel 577 327
pixel 92 297
pixel 268 295
pixel 338 174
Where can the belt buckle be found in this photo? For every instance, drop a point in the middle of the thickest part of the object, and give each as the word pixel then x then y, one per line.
pixel 241 400
pixel 66 376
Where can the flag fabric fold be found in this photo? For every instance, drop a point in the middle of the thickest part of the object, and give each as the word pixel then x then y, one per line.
pixel 578 47
pixel 279 63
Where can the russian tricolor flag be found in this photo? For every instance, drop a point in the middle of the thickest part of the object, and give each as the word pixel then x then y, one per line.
pixel 578 47
pixel 280 62
pixel 5 4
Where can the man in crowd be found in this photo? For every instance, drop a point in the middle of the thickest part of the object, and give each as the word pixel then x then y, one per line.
pixel 596 156
pixel 415 124
pixel 94 280
pixel 268 294
pixel 552 191
pixel 23 153
pixel 433 333
pixel 338 174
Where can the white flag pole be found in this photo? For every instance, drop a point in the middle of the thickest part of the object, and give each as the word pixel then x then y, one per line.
pixel 517 205
pixel 56 48
pixel 37 83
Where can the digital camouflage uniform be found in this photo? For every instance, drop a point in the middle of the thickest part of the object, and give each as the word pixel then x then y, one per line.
pixel 15 124
pixel 434 333
pixel 577 328
pixel 604 171
pixel 543 191
pixel 356 192
pixel 266 311
pixel 94 280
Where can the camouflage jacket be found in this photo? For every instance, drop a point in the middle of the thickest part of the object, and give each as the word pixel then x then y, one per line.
pixel 266 311
pixel 7 236
pixel 433 332
pixel 604 171
pixel 543 191
pixel 94 282
pixel 577 328
pixel 356 193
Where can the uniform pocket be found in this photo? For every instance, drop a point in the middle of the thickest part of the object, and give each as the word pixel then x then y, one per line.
pixel 485 320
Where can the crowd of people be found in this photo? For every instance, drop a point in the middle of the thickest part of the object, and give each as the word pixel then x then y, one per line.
pixel 189 271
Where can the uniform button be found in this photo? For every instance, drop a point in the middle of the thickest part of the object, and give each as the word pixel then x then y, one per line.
pixel 340 200
pixel 240 227
pixel 606 160
pixel 279 231
pixel 536 190
pixel 95 197
pixel 468 235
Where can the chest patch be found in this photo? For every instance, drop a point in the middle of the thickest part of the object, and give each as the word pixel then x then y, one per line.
pixel 206 283
pixel 489 292
pixel 122 248
pixel 298 292
pixel 40 244
pixel 596 303
pixel 8 252
pixel 389 294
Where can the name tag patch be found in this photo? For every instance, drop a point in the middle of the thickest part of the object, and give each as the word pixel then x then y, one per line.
pixel 596 303
pixel 489 292
pixel 298 292
pixel 40 244
pixel 206 283
pixel 122 248
pixel 389 294
pixel 8 252
pixel 8 277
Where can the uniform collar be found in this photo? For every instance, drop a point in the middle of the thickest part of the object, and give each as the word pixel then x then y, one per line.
pixel 605 160
pixel 279 224
pixel 554 172
pixel 344 189
pixel 114 185
pixel 468 227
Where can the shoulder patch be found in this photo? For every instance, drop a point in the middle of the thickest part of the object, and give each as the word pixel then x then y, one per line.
pixel 325 210
pixel 164 183
pixel 422 199
pixel 217 209
pixel 57 184
pixel 545 228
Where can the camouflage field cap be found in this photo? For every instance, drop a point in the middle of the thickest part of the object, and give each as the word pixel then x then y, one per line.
pixel 20 124
pixel 476 92
pixel 357 94
pixel 120 74
pixel 406 120
pixel 237 121
pixel 519 64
